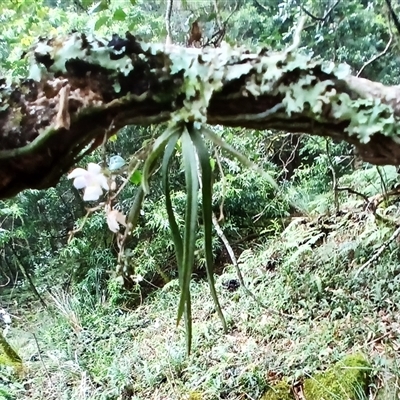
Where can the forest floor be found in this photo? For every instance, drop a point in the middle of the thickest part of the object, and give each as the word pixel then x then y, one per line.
pixel 311 305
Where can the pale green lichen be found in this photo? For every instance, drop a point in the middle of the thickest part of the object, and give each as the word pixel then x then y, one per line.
pixel 347 380
pixel 78 46
pixel 304 94
pixel 290 76
pixel 203 76
pixel 367 117
pixel 377 118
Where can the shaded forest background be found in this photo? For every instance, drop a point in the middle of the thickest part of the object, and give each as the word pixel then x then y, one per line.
pixel 87 328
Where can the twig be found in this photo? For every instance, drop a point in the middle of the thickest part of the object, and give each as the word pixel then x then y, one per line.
pixel 223 189
pixel 377 199
pixel 280 153
pixel 334 180
pixel 217 37
pixel 217 15
pixel 103 147
pixel 126 181
pixel 385 245
pixel 297 36
pixel 89 211
pixel 394 16
pixel 262 6
pixel 350 190
pixel 379 338
pixel 41 359
pixel 321 19
pixel 8 281
pixel 168 22
pixel 377 56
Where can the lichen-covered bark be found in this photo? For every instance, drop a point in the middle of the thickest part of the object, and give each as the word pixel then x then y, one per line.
pixel 82 88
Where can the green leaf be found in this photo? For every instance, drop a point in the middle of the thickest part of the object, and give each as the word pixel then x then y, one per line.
pixel 100 22
pixel 212 164
pixel 119 15
pixel 176 236
pixel 206 179
pixel 158 148
pixel 138 199
pixel 185 305
pixel 99 6
pixel 133 2
pixel 189 237
pixel 136 178
pixel 211 17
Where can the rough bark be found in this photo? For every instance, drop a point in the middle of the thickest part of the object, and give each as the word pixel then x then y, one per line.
pixel 82 88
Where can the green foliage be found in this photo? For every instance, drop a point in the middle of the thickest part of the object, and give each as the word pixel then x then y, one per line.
pixel 22 22
pixel 118 296
pixel 307 272
pixel 4 395
pixel 371 180
pixel 316 287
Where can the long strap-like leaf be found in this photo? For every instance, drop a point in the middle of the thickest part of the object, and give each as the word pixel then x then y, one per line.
pixel 189 236
pixel 134 212
pixel 206 186
pixel 158 148
pixel 184 247
pixel 176 236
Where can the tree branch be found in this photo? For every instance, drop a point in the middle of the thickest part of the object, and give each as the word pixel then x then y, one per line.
pixel 82 88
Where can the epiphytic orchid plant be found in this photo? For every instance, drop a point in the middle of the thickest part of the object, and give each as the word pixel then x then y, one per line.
pixel 198 177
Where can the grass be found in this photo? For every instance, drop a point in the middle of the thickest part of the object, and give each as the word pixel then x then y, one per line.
pixel 315 311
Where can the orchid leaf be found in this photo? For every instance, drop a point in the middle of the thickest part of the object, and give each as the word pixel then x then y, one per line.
pixel 158 148
pixel 206 185
pixel 189 237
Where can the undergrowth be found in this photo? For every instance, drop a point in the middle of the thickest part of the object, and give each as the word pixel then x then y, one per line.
pixel 314 308
pixel 316 299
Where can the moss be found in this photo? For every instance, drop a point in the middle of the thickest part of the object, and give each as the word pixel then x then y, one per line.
pixel 195 396
pixel 8 356
pixel 279 391
pixel 347 380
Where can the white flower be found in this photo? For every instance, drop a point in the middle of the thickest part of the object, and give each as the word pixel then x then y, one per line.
pixel 137 278
pixel 91 180
pixel 114 219
pixel 5 316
